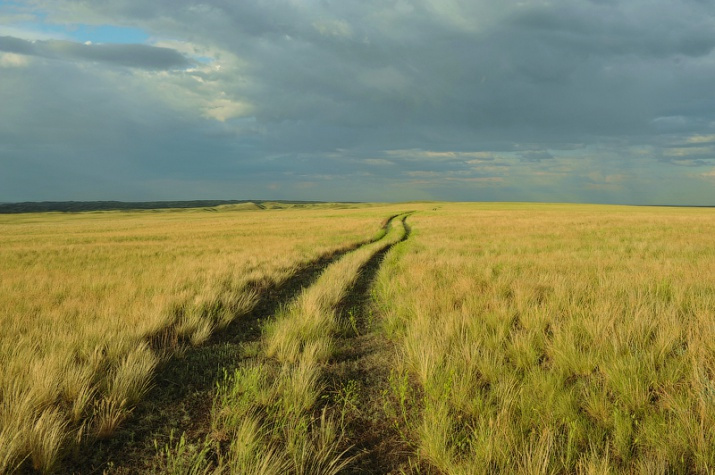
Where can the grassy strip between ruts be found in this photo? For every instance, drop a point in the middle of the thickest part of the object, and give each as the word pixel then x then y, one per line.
pixel 263 417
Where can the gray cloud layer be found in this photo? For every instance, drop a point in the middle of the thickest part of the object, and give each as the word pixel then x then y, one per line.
pixel 569 100
pixel 136 56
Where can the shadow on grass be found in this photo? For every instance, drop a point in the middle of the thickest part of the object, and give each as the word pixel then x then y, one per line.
pixel 183 387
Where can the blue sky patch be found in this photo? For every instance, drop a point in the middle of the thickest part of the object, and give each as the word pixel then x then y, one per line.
pixel 80 33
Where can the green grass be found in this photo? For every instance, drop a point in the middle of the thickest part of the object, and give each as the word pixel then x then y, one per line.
pixel 556 338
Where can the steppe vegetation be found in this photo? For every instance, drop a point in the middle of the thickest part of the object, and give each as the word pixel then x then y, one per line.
pixel 92 302
pixel 498 338
pixel 555 338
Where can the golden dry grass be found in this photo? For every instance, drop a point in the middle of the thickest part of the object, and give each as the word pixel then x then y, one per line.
pixel 531 338
pixel 91 301
pixel 557 338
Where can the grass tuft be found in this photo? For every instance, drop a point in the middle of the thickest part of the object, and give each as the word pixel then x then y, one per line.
pixel 46 439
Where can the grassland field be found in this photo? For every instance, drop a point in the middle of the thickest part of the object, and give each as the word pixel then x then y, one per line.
pixel 456 338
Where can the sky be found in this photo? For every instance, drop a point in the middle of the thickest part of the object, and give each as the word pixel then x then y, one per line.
pixel 601 101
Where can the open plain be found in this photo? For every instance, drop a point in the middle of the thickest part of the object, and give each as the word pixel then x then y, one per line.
pixel 327 338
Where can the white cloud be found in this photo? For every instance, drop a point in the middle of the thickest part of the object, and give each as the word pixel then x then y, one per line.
pixel 698 139
pixel 224 109
pixel 685 152
pixel 12 60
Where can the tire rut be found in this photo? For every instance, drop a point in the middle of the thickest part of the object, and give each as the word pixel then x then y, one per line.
pixel 358 377
pixel 181 397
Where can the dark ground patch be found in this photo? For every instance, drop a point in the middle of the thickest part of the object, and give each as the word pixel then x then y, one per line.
pixel 358 379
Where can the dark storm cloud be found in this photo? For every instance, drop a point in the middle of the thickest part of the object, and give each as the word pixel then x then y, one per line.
pixel 565 69
pixel 635 28
pixel 136 56
pixel 541 94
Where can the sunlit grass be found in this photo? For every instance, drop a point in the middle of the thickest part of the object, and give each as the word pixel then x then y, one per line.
pixel 529 338
pixel 557 338
pixel 90 303
pixel 284 390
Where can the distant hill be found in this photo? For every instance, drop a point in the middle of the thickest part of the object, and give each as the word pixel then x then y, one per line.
pixel 79 206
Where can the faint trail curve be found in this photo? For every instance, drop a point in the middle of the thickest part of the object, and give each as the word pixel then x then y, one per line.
pixel 182 395
pixel 364 356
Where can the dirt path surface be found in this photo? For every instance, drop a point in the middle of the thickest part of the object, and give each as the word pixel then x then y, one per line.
pixel 182 395
pixel 357 380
